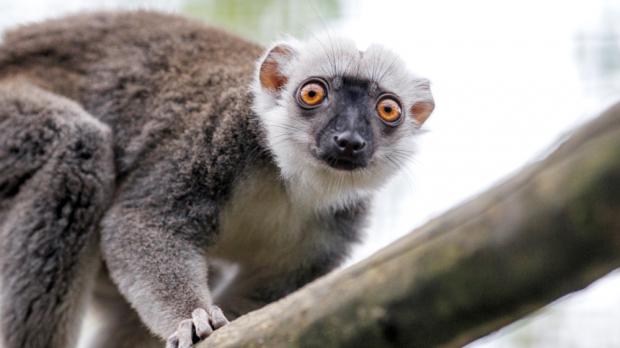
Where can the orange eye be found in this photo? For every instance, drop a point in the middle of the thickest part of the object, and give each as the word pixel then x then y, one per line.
pixel 389 110
pixel 311 94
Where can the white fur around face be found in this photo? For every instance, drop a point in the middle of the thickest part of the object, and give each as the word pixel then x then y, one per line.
pixel 310 181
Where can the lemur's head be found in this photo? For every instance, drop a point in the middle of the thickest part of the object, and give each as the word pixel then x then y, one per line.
pixel 338 121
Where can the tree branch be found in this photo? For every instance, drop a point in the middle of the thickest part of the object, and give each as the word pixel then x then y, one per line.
pixel 551 229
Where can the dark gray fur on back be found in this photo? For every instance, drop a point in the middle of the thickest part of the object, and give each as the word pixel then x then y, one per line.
pixel 164 135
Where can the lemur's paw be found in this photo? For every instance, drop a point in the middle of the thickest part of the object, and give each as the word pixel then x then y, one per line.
pixel 196 329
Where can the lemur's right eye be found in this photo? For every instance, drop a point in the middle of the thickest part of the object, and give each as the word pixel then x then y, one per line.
pixel 311 94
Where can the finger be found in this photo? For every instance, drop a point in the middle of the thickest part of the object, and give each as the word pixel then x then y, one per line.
pixel 172 342
pixel 184 333
pixel 217 317
pixel 201 323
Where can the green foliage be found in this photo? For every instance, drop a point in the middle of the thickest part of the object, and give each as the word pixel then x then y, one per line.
pixel 267 20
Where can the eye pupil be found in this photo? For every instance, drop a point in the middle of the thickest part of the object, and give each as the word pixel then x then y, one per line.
pixel 312 94
pixel 387 109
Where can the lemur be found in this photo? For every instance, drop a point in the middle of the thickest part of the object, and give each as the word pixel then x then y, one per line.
pixel 145 156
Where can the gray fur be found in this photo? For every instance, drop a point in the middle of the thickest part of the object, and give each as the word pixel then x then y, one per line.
pixel 147 136
pixel 56 178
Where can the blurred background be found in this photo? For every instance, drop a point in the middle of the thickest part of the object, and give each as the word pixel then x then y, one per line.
pixel 509 79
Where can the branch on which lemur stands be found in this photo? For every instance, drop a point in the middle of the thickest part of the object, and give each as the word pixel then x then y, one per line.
pixel 549 230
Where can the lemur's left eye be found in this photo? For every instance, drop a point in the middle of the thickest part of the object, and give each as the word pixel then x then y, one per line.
pixel 311 94
pixel 389 110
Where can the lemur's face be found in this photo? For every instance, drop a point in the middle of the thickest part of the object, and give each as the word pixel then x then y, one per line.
pixel 337 117
pixel 348 118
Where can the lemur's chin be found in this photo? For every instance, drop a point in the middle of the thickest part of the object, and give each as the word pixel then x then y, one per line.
pixel 344 164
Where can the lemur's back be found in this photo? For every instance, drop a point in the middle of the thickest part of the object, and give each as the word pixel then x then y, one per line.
pixel 147 75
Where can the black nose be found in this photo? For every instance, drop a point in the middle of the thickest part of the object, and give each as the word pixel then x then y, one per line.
pixel 349 142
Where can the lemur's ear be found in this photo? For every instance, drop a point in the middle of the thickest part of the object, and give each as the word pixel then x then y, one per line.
pixel 421 110
pixel 271 74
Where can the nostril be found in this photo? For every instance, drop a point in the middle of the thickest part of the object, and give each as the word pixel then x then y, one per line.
pixel 349 142
pixel 358 145
pixel 341 141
